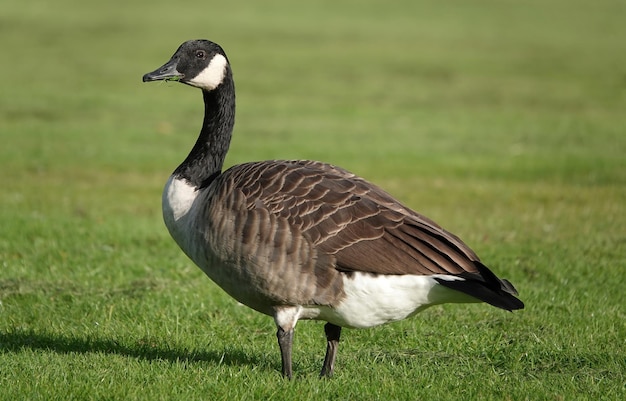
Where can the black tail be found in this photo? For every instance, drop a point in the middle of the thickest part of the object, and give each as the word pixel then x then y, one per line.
pixel 485 286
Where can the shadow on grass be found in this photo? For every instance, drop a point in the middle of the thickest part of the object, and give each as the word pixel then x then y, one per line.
pixel 144 349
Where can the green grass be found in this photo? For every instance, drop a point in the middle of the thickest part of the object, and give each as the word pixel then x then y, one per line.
pixel 504 121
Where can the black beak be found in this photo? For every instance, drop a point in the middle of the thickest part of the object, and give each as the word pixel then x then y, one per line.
pixel 165 73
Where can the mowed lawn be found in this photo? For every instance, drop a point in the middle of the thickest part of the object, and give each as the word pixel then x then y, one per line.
pixel 504 121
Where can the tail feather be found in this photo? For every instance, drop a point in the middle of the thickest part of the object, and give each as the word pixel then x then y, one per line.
pixel 486 287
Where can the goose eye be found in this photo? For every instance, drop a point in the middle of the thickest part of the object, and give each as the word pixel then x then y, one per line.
pixel 201 54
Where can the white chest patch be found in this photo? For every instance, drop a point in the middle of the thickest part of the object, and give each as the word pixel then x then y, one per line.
pixel 179 214
pixel 177 203
pixel 178 197
pixel 212 75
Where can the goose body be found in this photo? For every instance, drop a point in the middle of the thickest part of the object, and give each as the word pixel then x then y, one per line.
pixel 297 239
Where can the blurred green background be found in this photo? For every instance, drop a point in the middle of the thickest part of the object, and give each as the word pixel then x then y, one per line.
pixel 502 120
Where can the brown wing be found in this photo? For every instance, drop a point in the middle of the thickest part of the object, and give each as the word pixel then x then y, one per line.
pixel 343 215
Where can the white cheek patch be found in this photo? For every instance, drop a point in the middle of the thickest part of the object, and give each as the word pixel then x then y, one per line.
pixel 212 75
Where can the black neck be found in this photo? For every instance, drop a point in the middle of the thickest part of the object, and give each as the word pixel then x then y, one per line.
pixel 206 158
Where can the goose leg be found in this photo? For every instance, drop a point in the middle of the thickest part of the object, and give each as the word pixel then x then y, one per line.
pixel 285 342
pixel 333 333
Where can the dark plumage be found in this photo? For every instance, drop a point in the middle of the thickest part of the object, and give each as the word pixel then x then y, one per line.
pixel 304 239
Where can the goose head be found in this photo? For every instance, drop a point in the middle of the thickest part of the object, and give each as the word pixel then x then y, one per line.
pixel 198 63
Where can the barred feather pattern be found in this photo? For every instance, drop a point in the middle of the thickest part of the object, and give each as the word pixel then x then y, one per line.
pixel 284 232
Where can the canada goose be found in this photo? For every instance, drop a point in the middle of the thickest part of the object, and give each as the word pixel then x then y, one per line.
pixel 298 239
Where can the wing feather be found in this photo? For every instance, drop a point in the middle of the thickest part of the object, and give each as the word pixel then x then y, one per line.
pixel 362 226
pixel 312 222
